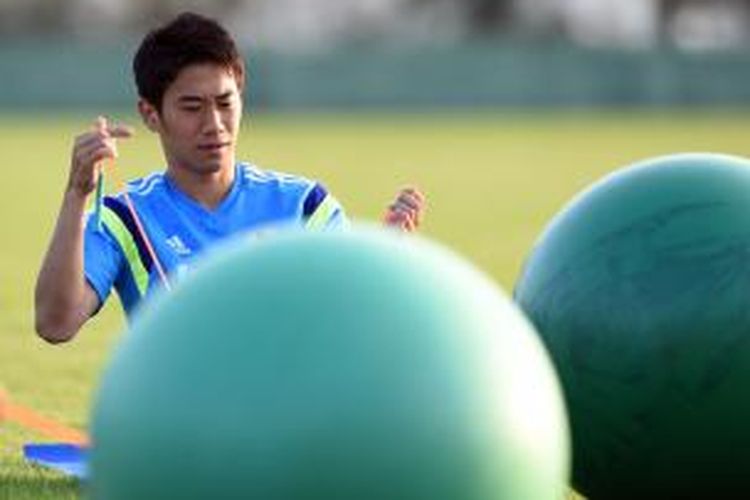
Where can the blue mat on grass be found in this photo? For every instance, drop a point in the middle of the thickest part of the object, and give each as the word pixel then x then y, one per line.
pixel 70 459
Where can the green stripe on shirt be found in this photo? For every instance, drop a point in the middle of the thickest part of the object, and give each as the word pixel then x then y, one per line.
pixel 128 246
pixel 320 217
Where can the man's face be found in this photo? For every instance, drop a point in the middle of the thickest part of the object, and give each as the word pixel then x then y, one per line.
pixel 199 119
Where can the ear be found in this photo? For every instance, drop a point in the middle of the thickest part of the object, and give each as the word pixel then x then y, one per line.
pixel 149 115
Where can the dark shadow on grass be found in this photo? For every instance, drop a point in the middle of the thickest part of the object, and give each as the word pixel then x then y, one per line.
pixel 38 484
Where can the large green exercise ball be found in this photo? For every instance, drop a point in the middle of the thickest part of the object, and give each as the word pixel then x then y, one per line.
pixel 360 364
pixel 640 289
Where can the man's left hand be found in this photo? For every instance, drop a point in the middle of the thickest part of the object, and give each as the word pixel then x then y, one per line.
pixel 406 211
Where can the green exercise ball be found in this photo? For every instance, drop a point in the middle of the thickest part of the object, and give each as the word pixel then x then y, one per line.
pixel 640 289
pixel 360 364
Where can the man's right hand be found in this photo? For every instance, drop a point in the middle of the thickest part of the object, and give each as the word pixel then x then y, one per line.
pixel 89 150
pixel 64 300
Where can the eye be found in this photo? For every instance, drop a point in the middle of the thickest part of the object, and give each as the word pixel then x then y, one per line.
pixel 190 109
pixel 225 103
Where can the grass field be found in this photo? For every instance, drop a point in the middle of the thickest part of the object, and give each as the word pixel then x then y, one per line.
pixel 492 181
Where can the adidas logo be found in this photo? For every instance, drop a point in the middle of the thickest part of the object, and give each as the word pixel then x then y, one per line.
pixel 177 245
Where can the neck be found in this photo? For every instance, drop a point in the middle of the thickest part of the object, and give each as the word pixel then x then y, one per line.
pixel 206 188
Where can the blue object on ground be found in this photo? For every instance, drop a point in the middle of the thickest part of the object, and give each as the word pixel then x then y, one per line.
pixel 70 459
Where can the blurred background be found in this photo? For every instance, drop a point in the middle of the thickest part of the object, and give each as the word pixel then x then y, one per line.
pixel 499 110
pixel 312 54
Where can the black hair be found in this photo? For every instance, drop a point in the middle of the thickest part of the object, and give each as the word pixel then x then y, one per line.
pixel 186 40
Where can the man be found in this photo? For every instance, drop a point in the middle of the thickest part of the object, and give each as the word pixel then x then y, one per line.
pixel 190 78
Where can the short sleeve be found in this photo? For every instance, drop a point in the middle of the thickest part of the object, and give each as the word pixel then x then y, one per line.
pixel 321 210
pixel 102 259
pixel 338 219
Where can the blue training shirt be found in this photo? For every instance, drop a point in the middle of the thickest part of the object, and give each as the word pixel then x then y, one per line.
pixel 180 229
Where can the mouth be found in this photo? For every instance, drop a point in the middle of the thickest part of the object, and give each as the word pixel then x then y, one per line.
pixel 213 147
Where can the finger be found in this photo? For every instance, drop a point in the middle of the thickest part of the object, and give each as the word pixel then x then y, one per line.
pixel 82 153
pixel 110 129
pixel 393 218
pixel 120 131
pixel 418 215
pixel 418 200
pixel 414 217
pixel 91 140
pixel 94 141
pixel 100 124
pixel 87 139
pixel 96 156
pixel 413 192
pixel 403 219
pixel 408 201
pixel 417 197
pixel 406 210
pixel 414 196
pixel 390 218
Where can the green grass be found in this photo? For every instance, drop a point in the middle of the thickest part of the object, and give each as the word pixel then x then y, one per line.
pixel 492 181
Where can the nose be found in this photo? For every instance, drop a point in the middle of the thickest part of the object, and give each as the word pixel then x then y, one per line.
pixel 212 122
